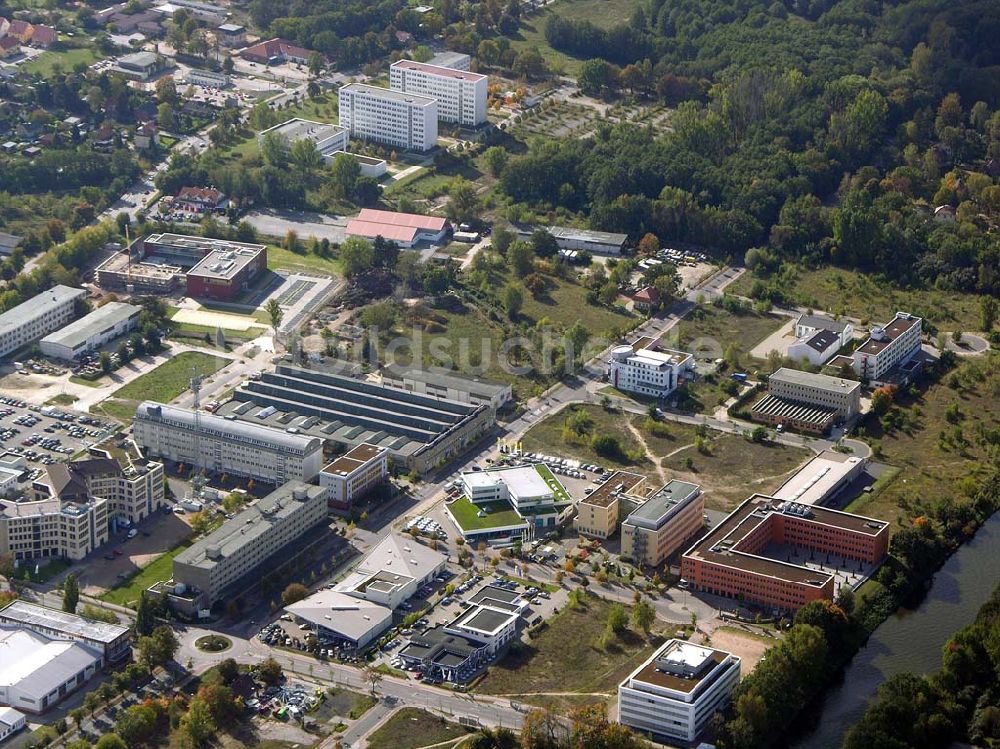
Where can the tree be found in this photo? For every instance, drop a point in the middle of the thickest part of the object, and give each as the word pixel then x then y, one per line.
pixel 71 593
pixel 649 244
pixel 105 361
pixel 521 259
pixel 292 593
pixel 228 65
pixel 316 63
pixel 541 730
pixel 356 256
pixel 596 76
pixel 463 204
pixel 274 313
pixel 543 243
pixel 617 618
pixel 488 52
pixel 495 158
pixel 165 117
pixel 513 300
pixel 159 647
pixel 197 723
pixel 110 741
pixel 494 738
pixel 529 63
pixel 228 670
pixel 136 725
pixel 643 615
pixel 344 174
pixel 304 155
pixel 269 671
pixel 503 238
pixel 987 313
pixel 374 677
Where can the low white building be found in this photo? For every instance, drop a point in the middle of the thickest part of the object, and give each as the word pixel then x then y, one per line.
pixel 34 319
pixel 91 331
pixel 393 118
pixel 454 60
pixel 11 721
pixel 817 348
pixel 808 325
pixel 843 396
pixel 207 78
pixel 654 372
pixel 570 238
pixel 328 139
pixel 449 386
pixel 359 609
pixel 354 473
pixel 37 672
pixel 674 694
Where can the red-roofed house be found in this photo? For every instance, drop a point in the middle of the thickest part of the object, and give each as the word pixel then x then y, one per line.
pixel 645 299
pixel 201 200
pixel 43 36
pixel 405 229
pixel 9 46
pixel 276 51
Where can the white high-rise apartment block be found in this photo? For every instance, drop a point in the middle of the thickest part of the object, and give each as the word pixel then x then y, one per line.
pixel 461 95
pixel 394 118
pixel 676 692
pixel 887 346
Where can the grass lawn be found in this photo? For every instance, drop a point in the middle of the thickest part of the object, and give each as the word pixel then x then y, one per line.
pixel 343 703
pixel 45 571
pixel 554 484
pixel 566 302
pixel 278 257
pixel 599 12
pixel 547 437
pixel 709 330
pixel 873 300
pixel 566 657
pixel 46 62
pixel 498 514
pixel 933 463
pixel 162 384
pixel 63 399
pixel 412 727
pixel 160 568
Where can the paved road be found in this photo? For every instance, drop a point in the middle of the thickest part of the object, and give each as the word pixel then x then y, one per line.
pixel 306 224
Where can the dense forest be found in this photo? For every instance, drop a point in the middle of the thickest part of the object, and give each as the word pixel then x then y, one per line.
pixel 806 132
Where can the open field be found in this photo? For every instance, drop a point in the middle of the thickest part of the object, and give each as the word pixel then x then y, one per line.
pixel 160 568
pixel 412 727
pixel 750 647
pixel 729 468
pixel 163 384
pixel 46 63
pixel 598 12
pixel 709 331
pixel 566 657
pixel 936 448
pixel 278 257
pixel 343 703
pixel 874 301
pixel 547 436
pixel 566 302
pixel 498 514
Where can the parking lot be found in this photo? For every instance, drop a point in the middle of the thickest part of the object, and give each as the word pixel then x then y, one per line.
pixel 44 435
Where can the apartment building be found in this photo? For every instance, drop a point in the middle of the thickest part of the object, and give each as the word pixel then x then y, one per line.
pixel 91 331
pixel 887 347
pixel 48 529
pixel 647 371
pixel 225 560
pixel 354 474
pixel 460 94
pixel 37 317
pixel 222 445
pixel 117 472
pixel 393 118
pixel 674 694
pixel 113 641
pixel 732 560
pixel 662 524
pixel 836 393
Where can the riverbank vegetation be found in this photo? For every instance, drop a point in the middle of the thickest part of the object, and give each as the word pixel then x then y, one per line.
pixel 960 703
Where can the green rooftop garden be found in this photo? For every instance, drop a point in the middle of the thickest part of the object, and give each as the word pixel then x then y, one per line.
pixel 561 495
pixel 498 514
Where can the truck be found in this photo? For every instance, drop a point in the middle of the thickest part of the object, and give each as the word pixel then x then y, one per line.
pixel 739 376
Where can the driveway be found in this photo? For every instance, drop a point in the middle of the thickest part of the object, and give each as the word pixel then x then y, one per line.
pixel 777 341
pixel 306 224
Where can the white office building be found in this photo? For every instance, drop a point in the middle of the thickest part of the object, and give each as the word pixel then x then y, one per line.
pixel 221 445
pixel 221 561
pixel 888 346
pixel 37 317
pixel 654 372
pixel 393 118
pixel 113 641
pixel 807 326
pixel 328 139
pixel 11 721
pixel 674 694
pixel 461 95
pixel 91 331
pixel 843 396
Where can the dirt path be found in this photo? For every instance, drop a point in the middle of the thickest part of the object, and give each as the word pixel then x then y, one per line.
pixel 649 453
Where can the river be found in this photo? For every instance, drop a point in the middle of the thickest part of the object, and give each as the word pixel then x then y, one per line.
pixel 912 640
